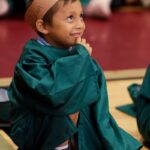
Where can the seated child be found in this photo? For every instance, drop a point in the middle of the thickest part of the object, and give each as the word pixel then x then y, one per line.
pixel 58 92
pixel 141 98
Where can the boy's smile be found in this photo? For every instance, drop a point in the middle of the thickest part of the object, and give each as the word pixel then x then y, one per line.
pixel 67 25
pixel 76 34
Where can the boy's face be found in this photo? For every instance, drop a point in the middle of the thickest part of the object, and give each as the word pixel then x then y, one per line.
pixel 67 25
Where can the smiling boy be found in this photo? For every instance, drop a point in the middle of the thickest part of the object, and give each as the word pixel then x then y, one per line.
pixel 58 91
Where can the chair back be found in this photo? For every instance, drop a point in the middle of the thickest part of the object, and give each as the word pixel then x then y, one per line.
pixel 5 105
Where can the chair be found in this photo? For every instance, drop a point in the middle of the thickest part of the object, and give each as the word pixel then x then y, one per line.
pixel 4 109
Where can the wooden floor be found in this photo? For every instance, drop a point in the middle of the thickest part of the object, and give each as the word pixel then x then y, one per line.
pixel 5 142
pixel 118 95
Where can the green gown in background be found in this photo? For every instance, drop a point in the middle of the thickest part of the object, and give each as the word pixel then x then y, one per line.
pixel 48 85
pixel 141 98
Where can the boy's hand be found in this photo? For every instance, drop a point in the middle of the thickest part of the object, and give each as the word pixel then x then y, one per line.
pixel 85 44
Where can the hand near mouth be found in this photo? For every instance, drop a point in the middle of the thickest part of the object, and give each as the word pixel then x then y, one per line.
pixel 83 42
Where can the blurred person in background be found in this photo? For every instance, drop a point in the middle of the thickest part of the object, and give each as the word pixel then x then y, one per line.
pixel 10 8
pixel 92 8
pixel 103 8
pixel 140 94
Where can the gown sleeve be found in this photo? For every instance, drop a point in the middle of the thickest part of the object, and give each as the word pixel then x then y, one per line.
pixel 96 121
pixel 58 87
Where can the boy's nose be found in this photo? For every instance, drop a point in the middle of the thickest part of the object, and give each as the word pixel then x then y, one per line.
pixel 80 24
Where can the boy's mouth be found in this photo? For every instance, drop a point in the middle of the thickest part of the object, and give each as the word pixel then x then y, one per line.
pixel 76 35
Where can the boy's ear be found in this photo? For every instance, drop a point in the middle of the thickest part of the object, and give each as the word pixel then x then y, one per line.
pixel 41 27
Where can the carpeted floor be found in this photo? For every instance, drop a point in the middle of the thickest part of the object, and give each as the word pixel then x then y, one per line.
pixel 122 42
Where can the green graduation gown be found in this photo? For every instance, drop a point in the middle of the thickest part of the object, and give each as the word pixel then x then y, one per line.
pixel 141 99
pixel 48 85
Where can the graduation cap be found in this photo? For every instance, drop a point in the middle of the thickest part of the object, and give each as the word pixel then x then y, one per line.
pixel 37 10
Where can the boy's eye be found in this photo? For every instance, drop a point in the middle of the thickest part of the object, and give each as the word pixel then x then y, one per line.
pixel 70 18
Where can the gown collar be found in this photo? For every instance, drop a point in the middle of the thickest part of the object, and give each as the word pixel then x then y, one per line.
pixel 42 41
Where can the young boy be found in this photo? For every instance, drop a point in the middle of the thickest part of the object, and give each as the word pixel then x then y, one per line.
pixel 58 90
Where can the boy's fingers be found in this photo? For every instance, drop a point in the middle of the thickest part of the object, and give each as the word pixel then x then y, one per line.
pixel 83 41
pixel 78 40
pixel 88 44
